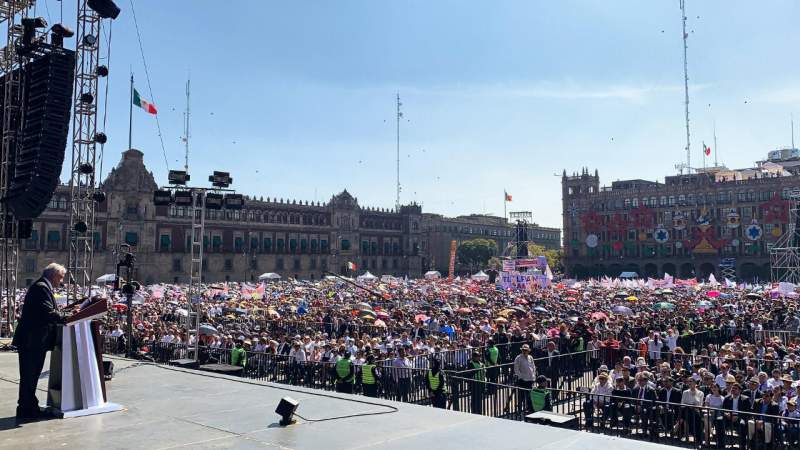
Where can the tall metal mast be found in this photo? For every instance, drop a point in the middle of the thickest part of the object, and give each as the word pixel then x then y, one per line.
pixel 686 85
pixel 399 116
pixel 715 144
pixel 186 127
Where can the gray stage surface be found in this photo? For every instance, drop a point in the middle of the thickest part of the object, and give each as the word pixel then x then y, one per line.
pixel 174 408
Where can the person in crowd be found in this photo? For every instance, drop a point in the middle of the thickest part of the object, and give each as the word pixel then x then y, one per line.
pixel 599 401
pixel 345 374
pixel 691 398
pixel 620 405
pixel 540 395
pixel 525 371
pixel 436 384
pixel 239 354
pixel 369 377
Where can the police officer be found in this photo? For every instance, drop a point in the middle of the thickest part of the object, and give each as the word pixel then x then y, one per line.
pixel 477 388
pixel 345 374
pixel 436 384
pixel 369 377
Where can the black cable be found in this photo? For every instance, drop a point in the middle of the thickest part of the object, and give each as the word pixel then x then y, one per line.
pixel 392 409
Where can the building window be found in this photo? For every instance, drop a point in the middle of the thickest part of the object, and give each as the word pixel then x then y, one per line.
pixel 164 243
pixel 53 239
pixel 228 264
pixel 238 244
pixel 323 246
pixel 314 245
pixel 216 243
pixel 30 265
pixel 32 243
pixel 365 247
pixel 293 245
pixel 345 244
pixel 280 246
pixel 132 238
pixel 267 245
pixel 303 245
pixel 253 243
pixel 177 265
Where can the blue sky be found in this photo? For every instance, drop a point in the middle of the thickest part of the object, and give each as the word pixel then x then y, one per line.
pixel 296 99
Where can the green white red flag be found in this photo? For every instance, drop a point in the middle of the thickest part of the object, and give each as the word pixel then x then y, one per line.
pixel 144 104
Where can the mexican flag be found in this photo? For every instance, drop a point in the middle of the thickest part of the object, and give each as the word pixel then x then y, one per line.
pixel 351 265
pixel 507 195
pixel 142 103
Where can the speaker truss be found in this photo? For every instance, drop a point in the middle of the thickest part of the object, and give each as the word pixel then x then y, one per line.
pixel 785 254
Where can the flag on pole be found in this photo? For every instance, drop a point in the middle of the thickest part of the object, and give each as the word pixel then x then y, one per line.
pixel 351 265
pixel 508 196
pixel 706 150
pixel 142 103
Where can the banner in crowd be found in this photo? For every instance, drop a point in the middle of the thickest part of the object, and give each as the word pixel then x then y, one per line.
pixel 523 281
pixel 452 268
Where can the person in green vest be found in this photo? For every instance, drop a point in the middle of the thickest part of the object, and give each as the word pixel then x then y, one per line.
pixel 345 374
pixel 436 384
pixel 540 395
pixel 492 358
pixel 369 377
pixel 478 384
pixel 239 355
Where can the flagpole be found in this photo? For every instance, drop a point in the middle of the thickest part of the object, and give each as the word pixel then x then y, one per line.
pixel 130 118
pixel 505 202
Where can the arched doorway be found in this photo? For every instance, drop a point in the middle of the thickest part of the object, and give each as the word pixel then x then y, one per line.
pixel 748 271
pixel 706 269
pixel 651 270
pixel 614 270
pixel 669 268
pixel 578 271
pixel 687 270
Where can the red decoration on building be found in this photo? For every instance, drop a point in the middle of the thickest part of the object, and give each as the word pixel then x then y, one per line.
pixel 704 240
pixel 643 217
pixel 775 210
pixel 591 222
pixel 619 225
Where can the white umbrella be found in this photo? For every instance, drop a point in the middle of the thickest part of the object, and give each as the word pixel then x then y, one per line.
pixel 367 277
pixel 480 276
pixel 269 276
pixel 432 275
pixel 107 278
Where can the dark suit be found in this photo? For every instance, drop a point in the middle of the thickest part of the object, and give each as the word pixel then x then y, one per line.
pixel 734 422
pixel 35 335
pixel 668 412
pixel 644 401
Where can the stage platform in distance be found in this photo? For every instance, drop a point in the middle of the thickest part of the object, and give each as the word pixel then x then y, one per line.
pixel 178 408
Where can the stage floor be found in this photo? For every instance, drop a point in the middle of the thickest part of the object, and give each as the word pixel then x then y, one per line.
pixel 187 409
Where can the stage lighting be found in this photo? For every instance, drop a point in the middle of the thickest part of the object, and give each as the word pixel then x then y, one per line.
pixel 80 227
pixel 99 196
pixel 286 409
pixel 100 138
pixel 214 201
pixel 220 179
pixel 178 177
pixel 183 198
pixel 58 33
pixel 234 201
pixel 29 26
pixel 87 98
pixel 106 9
pixel 162 198
pixel 101 71
pixel 89 40
pixel 85 169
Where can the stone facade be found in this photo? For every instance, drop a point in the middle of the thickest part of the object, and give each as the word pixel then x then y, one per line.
pixel 685 226
pixel 291 238
pixel 441 231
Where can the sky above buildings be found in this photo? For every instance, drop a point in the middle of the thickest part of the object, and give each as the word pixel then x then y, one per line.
pixel 297 99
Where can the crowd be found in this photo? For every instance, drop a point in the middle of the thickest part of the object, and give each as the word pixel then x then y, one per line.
pixel 637 348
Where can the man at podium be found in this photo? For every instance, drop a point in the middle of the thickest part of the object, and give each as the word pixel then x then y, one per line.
pixel 35 335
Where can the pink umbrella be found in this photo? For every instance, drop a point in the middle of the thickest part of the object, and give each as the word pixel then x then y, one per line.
pixel 421 318
pixel 713 294
pixel 599 316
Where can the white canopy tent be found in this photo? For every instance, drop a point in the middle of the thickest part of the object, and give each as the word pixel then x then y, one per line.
pixel 367 277
pixel 480 276
pixel 107 278
pixel 269 276
pixel 433 275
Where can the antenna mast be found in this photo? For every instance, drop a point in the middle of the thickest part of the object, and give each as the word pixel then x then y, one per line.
pixel 186 115
pixel 792 119
pixel 715 144
pixel 399 116
pixel 686 85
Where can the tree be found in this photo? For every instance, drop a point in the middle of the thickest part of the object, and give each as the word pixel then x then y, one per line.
pixel 475 253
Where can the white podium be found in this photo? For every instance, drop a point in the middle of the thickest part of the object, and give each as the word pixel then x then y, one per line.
pixel 76 386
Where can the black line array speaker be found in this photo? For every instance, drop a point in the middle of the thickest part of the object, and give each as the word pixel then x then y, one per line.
pixel 48 83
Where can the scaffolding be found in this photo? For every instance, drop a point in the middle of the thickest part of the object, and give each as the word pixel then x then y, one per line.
pixel 11 13
pixel 785 254
pixel 82 182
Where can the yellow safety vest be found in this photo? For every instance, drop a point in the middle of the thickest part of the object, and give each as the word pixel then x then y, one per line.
pixel 343 370
pixel 366 374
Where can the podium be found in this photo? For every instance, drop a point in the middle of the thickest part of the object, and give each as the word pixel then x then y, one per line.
pixel 76 386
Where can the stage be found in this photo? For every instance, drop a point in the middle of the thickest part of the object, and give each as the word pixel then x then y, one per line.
pixel 175 408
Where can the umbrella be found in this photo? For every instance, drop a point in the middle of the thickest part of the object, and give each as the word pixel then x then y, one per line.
pixel 501 320
pixel 572 292
pixel 520 301
pixel 667 292
pixel 364 306
pixel 120 307
pixel 572 299
pixel 704 304
pixel 364 313
pixel 725 295
pixel 632 298
pixel 753 296
pixel 729 305
pixel 382 315
pixel 207 329
pixel 540 309
pixel 421 318
pixel 621 294
pixel 713 294
pixel 107 278
pixel 619 309
pixel 464 310
pixel 182 312
pixel 598 316
pixel 664 305
pixel 380 323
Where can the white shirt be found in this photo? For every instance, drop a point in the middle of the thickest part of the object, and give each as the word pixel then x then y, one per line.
pixel 297 355
pixel 524 368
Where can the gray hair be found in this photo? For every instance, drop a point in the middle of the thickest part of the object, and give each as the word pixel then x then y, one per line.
pixel 52 269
